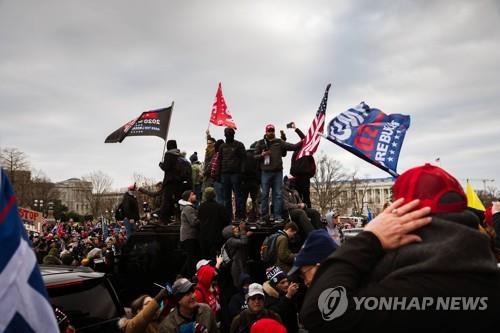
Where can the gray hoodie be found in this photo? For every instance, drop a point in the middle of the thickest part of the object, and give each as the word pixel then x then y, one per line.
pixel 190 224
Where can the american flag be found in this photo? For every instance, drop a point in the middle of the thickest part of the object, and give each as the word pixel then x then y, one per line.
pixel 23 299
pixel 311 141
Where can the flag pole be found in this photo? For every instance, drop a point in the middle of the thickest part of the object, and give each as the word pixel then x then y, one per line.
pixel 165 143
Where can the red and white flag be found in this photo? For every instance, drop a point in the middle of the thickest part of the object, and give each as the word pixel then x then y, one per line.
pixel 311 141
pixel 220 116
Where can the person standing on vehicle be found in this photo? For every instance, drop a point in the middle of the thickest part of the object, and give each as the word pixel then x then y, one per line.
pixel 189 232
pixel 171 182
pixel 130 209
pixel 232 155
pixel 269 151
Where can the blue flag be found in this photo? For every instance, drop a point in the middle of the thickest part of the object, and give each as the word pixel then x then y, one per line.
pixel 371 135
pixel 24 306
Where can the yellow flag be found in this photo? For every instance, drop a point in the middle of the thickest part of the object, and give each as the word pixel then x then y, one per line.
pixel 473 200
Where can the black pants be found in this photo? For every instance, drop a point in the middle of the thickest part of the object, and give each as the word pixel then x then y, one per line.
pixel 192 249
pixel 169 206
pixel 250 188
pixel 303 184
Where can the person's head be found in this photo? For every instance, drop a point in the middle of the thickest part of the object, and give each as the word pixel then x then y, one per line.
pixel 171 144
pixel 210 142
pixel 183 291
pixel 189 196
pixel 317 247
pixel 132 187
pixel 434 187
pixel 139 303
pixel 193 158
pixel 218 143
pixel 332 218
pixel 245 281
pixel 229 134
pixel 236 231
pixel 270 135
pixel 255 298
pixel 291 229
pixel 266 325
pixel 209 194
pixel 289 181
pixel 278 279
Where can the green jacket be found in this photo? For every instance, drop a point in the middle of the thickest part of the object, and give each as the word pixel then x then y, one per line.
pixel 277 147
pixel 204 316
pixel 285 257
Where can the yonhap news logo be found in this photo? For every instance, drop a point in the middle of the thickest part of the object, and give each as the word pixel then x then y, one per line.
pixel 333 303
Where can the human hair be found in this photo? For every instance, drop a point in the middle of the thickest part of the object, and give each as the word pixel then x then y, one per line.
pixel 291 225
pixel 137 304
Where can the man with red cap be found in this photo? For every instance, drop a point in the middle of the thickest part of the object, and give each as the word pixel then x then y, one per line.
pixel 438 271
pixel 269 151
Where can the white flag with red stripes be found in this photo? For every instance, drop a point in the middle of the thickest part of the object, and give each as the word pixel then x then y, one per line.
pixel 311 141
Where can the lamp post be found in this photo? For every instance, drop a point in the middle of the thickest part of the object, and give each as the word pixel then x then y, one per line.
pixel 38 205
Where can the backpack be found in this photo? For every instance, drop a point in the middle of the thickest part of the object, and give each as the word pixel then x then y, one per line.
pixel 268 249
pixel 185 172
pixel 226 256
pixel 119 216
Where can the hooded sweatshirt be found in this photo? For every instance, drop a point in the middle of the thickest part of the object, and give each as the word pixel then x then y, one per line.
pixel 203 291
pixel 189 221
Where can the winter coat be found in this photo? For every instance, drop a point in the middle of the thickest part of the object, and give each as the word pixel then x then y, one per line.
pixel 130 206
pixel 305 166
pixel 237 304
pixel 170 166
pixel 243 322
pixel 285 257
pixel 231 157
pixel 202 291
pixel 213 219
pixel 453 259
pixel 250 171
pixel 291 198
pixel 189 221
pixel 203 316
pixel 143 322
pixel 277 147
pixel 282 305
pixel 237 248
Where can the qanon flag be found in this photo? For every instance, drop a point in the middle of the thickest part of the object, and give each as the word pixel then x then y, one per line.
pixel 371 135
pixel 220 116
pixel 149 123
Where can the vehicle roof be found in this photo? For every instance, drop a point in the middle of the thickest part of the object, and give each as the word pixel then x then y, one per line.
pixel 54 275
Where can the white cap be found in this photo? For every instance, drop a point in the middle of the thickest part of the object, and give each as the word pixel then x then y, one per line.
pixel 255 289
pixel 201 263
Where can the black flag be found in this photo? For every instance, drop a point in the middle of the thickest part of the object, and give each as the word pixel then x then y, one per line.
pixel 149 123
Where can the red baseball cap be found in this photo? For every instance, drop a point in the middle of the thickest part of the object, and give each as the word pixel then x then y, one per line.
pixel 434 187
pixel 269 126
pixel 265 325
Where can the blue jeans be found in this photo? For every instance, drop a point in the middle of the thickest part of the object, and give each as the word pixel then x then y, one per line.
pixel 231 184
pixel 271 180
pixel 219 192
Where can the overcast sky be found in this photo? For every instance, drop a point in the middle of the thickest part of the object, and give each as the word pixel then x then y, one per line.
pixel 72 72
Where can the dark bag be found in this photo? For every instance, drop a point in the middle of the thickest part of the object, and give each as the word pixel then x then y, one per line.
pixel 119 216
pixel 268 249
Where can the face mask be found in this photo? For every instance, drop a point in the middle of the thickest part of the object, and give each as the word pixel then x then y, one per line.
pixel 229 137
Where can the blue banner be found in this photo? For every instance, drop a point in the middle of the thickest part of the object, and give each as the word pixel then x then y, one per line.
pixel 371 135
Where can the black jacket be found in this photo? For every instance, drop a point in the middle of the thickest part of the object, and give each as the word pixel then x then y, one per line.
pixel 496 226
pixel 282 305
pixel 231 157
pixel 171 167
pixel 250 171
pixel 213 219
pixel 130 207
pixel 304 166
pixel 452 260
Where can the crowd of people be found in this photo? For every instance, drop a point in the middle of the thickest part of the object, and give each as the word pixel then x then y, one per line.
pixel 426 243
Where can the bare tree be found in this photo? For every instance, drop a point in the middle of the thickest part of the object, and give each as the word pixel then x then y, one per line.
pixel 328 183
pixel 487 196
pixel 357 194
pixel 101 184
pixel 42 188
pixel 16 164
